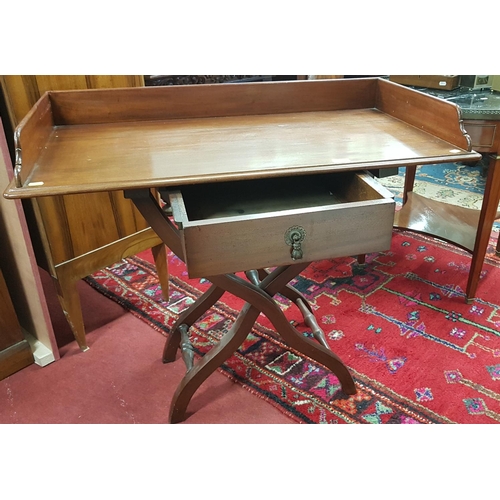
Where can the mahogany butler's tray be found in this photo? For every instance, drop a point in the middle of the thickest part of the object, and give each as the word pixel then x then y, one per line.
pixel 289 153
pixel 97 140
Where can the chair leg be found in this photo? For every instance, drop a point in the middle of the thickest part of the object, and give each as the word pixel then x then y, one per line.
pixel 71 306
pixel 160 256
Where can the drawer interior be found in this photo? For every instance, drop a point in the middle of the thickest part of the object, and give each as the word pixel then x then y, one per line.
pixel 257 196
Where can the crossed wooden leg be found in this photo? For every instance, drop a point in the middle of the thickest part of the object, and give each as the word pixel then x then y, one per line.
pixel 258 294
pixel 259 298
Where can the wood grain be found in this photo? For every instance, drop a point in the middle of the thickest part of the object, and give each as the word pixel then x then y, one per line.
pixel 213 100
pixel 429 114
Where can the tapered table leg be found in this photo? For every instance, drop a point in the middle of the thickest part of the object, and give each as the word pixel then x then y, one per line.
pixel 486 219
pixel 410 173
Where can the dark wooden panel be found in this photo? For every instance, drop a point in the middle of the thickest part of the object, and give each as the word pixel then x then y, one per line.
pixel 198 101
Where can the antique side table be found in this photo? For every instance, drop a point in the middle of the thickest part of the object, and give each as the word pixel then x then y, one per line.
pixel 466 228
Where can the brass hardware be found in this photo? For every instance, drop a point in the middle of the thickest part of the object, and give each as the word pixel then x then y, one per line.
pixel 294 236
pixel 17 168
pixel 187 351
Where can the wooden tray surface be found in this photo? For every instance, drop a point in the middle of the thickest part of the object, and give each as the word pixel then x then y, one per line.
pixel 78 158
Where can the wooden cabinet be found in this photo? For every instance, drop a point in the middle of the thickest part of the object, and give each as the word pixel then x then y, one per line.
pixel 76 235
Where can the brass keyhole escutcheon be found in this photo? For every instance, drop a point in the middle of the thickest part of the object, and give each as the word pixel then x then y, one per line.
pixel 294 236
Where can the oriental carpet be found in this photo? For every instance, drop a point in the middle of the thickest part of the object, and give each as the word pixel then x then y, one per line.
pixel 417 352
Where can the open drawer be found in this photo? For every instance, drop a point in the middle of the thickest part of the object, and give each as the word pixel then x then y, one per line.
pixel 236 226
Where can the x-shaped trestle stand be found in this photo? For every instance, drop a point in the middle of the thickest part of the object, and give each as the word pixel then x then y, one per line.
pixel 257 292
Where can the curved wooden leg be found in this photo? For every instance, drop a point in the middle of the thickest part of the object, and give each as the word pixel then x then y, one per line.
pixel 288 291
pixel 188 317
pixel 305 308
pixel 211 361
pixel 262 300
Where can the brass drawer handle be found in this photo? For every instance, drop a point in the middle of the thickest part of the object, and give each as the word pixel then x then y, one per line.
pixel 294 236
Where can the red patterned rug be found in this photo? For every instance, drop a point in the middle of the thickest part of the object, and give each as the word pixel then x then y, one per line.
pixel 418 353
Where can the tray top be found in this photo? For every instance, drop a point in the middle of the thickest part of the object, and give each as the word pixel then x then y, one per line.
pixel 127 155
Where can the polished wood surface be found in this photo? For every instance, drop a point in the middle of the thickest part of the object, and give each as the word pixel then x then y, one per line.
pixel 424 112
pixel 466 228
pixel 225 148
pixel 489 212
pixel 230 132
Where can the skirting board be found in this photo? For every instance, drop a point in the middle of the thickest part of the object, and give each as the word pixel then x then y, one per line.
pixel 41 354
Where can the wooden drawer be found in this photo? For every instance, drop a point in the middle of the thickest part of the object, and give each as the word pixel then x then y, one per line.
pixel 482 134
pixel 236 226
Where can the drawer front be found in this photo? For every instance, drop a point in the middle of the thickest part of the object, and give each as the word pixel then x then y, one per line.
pixel 482 134
pixel 231 244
